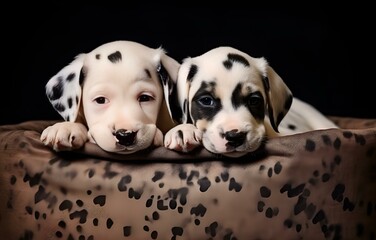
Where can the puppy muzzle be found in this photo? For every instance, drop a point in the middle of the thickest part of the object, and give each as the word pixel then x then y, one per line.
pixel 125 137
pixel 234 138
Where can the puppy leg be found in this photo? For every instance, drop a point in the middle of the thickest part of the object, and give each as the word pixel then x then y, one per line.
pixel 65 136
pixel 183 138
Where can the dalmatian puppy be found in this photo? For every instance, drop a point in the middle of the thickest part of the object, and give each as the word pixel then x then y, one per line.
pixel 231 103
pixel 113 96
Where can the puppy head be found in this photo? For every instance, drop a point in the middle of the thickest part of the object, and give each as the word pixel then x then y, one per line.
pixel 117 90
pixel 235 99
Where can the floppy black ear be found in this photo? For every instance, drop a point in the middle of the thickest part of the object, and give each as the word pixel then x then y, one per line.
pixel 187 71
pixel 278 95
pixel 167 69
pixel 168 73
pixel 64 89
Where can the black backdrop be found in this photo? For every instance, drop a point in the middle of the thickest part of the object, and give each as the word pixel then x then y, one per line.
pixel 320 53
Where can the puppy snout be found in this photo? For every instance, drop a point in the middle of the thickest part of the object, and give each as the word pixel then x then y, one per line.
pixel 125 137
pixel 235 138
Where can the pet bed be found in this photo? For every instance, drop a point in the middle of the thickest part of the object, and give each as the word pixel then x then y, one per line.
pixel 314 185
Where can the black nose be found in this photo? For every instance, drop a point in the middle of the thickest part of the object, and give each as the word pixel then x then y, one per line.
pixel 125 137
pixel 235 138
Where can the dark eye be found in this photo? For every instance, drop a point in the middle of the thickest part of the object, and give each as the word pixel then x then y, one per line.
pixel 145 98
pixel 206 100
pixel 101 100
pixel 255 100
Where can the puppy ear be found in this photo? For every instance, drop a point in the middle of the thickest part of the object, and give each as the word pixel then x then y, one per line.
pixel 186 74
pixel 278 95
pixel 167 69
pixel 64 89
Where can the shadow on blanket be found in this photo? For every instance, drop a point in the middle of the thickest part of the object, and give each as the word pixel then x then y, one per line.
pixel 315 185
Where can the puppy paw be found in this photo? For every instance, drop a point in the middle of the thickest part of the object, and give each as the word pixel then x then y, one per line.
pixel 183 138
pixel 64 136
pixel 158 138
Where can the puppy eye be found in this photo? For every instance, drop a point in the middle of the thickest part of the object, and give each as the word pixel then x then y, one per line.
pixel 206 100
pixel 255 100
pixel 101 100
pixel 145 98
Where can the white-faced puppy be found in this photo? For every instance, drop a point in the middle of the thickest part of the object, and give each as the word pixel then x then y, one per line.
pixel 114 97
pixel 232 102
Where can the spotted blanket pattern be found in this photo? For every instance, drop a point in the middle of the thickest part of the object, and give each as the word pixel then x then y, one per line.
pixel 315 185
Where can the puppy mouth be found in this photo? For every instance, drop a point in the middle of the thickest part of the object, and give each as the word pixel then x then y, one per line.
pixel 233 147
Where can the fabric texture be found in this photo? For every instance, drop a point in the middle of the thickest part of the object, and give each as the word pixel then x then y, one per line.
pixel 315 185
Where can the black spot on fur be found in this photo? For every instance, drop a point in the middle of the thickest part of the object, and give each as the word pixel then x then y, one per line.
pixel 82 75
pixel 70 102
pixel 192 72
pixel 200 111
pixel 115 57
pixel 70 77
pixel 265 81
pixel 252 101
pixel 163 74
pixel 291 126
pixel 235 58
pixel 59 107
pixel 57 90
pixel 97 56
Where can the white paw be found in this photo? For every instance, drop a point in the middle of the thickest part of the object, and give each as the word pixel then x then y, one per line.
pixel 64 136
pixel 183 138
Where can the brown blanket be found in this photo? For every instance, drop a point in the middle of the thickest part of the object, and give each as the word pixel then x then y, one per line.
pixel 315 185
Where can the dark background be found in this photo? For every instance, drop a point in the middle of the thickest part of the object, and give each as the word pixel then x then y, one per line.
pixel 322 54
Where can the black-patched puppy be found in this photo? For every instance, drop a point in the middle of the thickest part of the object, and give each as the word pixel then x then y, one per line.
pixel 232 102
